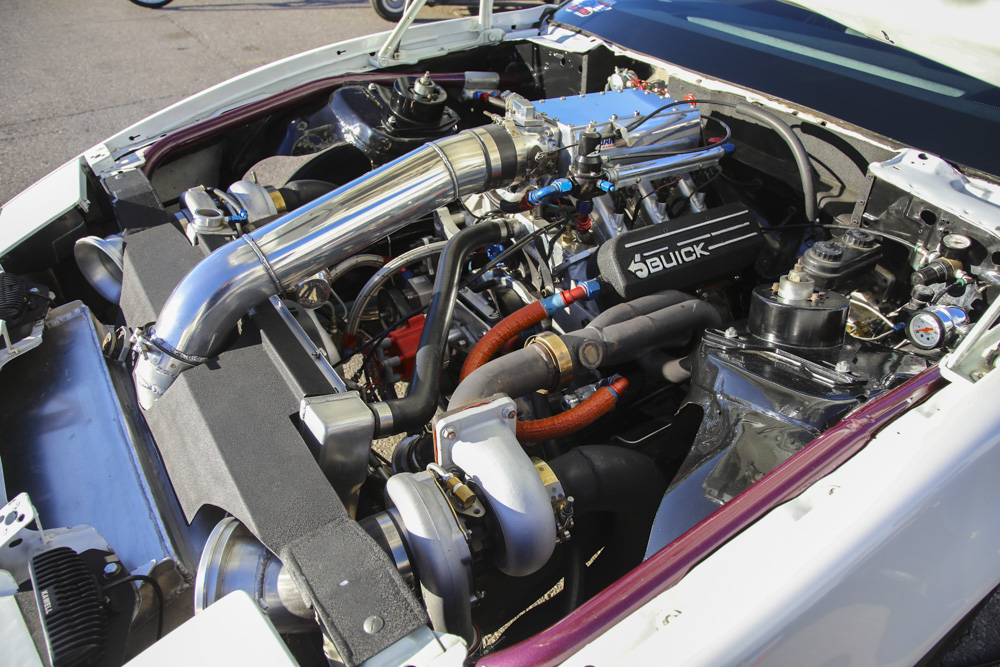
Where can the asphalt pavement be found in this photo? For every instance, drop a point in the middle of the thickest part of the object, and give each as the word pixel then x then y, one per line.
pixel 74 72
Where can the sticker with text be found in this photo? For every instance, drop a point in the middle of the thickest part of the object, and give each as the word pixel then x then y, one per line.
pixel 589 7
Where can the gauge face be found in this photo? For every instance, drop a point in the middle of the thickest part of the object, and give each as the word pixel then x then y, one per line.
pixel 956 242
pixel 312 293
pixel 925 330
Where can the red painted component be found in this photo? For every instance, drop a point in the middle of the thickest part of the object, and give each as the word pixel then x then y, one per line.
pixel 574 294
pixel 404 343
pixel 583 223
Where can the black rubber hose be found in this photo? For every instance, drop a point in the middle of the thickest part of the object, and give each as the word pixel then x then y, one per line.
pixel 298 193
pixel 798 151
pixel 776 124
pixel 573 581
pixel 641 306
pixel 624 482
pixel 605 478
pixel 526 370
pixel 521 372
pixel 420 402
pixel 624 341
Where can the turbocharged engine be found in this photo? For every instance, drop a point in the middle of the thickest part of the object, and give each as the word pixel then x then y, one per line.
pixel 474 351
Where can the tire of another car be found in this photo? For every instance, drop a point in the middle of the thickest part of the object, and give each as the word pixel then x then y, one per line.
pixel 390 10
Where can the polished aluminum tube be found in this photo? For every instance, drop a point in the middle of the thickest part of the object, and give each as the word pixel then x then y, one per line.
pixel 208 302
pixel 234 560
pixel 672 165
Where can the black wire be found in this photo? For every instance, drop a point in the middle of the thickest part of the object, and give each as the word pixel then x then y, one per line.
pixel 514 247
pixel 156 589
pixel 552 243
pixel 658 110
pixel 653 192
pixel 479 218
pixel 561 148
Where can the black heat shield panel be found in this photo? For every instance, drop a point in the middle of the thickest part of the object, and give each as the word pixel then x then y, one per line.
pixel 227 439
pixel 337 565
pixel 134 200
pixel 680 253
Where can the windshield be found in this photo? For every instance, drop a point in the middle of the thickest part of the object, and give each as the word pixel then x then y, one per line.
pixel 795 54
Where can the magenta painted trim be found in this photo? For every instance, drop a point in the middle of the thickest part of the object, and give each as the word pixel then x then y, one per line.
pixel 224 122
pixel 669 565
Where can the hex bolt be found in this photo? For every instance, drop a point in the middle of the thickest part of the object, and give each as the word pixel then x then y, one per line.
pixel 843 367
pixel 509 412
pixel 111 569
pixel 449 433
pixel 373 625
pixel 731 332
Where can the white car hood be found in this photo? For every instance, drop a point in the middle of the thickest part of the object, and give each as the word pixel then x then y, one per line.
pixel 958 33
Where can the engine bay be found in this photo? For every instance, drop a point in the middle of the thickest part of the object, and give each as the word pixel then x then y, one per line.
pixel 465 347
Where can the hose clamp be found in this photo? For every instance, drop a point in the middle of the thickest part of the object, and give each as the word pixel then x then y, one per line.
pixel 558 354
pixel 278 199
pixel 562 506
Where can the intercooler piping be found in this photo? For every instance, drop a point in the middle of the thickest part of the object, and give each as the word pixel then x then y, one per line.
pixel 205 306
pixel 619 481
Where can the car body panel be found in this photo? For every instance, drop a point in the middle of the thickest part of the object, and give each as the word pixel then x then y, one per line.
pixel 877 561
pixel 947 32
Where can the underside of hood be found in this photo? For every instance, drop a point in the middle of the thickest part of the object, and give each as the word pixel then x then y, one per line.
pixel 960 34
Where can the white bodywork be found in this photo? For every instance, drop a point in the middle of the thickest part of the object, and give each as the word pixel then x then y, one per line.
pixel 871 565
pixel 946 31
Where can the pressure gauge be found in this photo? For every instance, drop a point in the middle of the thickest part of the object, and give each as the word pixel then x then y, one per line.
pixel 955 246
pixel 314 291
pixel 935 326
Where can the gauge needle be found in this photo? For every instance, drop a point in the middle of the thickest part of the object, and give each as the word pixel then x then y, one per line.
pixel 922 330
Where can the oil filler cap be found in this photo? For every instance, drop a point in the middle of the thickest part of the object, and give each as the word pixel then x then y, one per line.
pixel 827 251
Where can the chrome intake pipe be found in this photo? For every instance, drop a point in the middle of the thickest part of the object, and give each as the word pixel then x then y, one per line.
pixel 205 306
